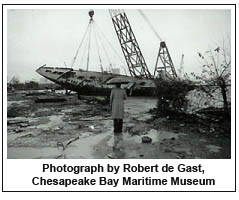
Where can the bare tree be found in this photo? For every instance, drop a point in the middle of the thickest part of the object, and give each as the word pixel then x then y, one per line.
pixel 15 80
pixel 216 71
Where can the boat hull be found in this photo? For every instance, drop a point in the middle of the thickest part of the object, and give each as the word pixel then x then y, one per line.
pixel 95 83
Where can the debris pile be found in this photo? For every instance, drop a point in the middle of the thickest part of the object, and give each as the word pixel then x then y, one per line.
pixel 198 100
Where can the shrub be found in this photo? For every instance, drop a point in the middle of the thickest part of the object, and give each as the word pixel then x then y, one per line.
pixel 172 96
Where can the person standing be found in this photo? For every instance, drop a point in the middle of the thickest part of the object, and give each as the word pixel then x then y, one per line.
pixel 117 97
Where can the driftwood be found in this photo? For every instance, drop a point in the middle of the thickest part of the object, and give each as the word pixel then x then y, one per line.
pixel 49 100
pixel 12 122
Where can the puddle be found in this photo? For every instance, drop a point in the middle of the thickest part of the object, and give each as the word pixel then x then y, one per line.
pixel 158 136
pixel 14 136
pixel 67 110
pixel 144 117
pixel 135 139
pixel 54 122
pixel 154 135
pixel 213 148
pixel 9 103
pixel 168 135
pixel 132 154
pixel 15 119
pixel 132 105
pixel 95 118
pixel 32 153
pixel 85 134
pixel 83 148
pixel 182 150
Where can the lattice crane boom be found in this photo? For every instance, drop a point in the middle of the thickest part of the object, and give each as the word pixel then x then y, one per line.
pixel 167 70
pixel 181 69
pixel 129 45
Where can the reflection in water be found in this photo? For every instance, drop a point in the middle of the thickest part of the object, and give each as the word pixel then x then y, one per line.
pixel 118 148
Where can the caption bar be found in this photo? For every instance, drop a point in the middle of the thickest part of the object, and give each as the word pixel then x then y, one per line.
pixel 127 171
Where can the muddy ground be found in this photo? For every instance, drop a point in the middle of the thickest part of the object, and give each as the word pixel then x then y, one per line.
pixel 84 129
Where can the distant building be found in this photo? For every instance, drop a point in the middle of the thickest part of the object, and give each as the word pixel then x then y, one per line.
pixel 116 70
pixel 44 81
pixel 31 85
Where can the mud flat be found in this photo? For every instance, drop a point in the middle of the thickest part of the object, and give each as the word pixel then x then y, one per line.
pixel 82 129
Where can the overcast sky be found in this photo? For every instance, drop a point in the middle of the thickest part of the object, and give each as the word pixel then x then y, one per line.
pixel 47 36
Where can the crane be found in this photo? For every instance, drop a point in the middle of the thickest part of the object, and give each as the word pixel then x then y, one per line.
pixel 132 53
pixel 167 70
pixel 129 45
pixel 181 70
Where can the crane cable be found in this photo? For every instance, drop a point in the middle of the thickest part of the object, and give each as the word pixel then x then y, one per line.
pixel 88 29
pixel 74 59
pixel 105 38
pixel 98 50
pixel 150 25
pixel 103 46
pixel 88 55
pixel 106 53
pixel 84 52
pixel 181 70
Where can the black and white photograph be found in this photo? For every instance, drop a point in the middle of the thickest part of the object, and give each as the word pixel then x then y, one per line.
pixel 98 83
